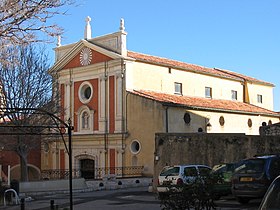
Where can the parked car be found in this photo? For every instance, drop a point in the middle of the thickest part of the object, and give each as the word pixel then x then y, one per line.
pixel 253 176
pixel 271 200
pixel 180 174
pixel 223 172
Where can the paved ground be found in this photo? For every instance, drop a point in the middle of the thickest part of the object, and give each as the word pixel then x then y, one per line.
pixel 137 198
pixel 131 195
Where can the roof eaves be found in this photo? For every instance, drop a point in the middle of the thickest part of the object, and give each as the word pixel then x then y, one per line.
pixel 245 78
pixel 217 109
pixel 194 107
pixel 67 57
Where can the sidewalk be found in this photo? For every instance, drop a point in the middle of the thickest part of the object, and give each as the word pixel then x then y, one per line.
pixel 41 200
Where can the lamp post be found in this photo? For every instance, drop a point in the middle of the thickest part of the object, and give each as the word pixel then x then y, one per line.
pixel 70 128
pixel 57 122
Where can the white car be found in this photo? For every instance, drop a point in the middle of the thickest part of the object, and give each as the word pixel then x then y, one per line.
pixel 180 174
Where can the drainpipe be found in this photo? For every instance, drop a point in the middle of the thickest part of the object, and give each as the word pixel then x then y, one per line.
pixel 123 68
pixel 105 112
pixel 126 97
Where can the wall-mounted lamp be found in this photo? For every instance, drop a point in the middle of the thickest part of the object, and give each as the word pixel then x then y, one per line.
pixel 208 124
pixel 156 157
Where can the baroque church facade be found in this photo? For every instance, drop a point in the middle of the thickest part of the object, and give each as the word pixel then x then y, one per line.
pixel 118 99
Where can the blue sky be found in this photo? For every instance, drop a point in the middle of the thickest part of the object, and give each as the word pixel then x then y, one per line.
pixel 239 35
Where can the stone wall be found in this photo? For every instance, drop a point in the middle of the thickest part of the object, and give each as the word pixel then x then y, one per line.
pixel 270 130
pixel 209 149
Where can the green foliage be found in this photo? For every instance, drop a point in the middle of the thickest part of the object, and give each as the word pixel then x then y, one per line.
pixel 198 194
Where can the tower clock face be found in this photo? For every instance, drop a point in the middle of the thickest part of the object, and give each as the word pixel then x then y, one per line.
pixel 85 56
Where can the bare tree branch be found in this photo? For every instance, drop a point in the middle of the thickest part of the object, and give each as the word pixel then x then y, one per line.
pixel 23 21
pixel 25 83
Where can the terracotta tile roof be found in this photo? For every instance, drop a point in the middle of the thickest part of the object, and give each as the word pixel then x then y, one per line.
pixel 204 103
pixel 192 67
pixel 247 78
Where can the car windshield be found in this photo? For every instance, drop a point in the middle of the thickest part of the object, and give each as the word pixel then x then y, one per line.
pixel 250 166
pixel 170 171
pixel 229 167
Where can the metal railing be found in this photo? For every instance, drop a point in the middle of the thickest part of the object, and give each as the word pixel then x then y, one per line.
pixel 96 173
pixel 58 174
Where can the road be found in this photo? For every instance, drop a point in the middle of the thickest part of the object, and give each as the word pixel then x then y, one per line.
pixel 126 199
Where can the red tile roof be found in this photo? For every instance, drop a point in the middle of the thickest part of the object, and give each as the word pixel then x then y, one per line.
pixel 195 68
pixel 204 103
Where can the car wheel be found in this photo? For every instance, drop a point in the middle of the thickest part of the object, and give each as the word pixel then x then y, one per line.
pixel 243 200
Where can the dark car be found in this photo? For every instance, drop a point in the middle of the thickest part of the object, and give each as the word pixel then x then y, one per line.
pixel 224 172
pixel 271 200
pixel 253 176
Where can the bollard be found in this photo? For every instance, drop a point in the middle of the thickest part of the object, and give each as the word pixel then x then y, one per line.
pixel 52 204
pixel 22 205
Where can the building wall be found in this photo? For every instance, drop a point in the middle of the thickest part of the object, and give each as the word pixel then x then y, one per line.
pixel 233 123
pixel 144 118
pixel 124 126
pixel 103 141
pixel 265 91
pixel 209 149
pixel 11 158
pixel 143 76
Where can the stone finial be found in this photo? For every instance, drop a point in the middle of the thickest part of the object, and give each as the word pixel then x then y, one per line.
pixel 122 25
pixel 87 34
pixel 58 44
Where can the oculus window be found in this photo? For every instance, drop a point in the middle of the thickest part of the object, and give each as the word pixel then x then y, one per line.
pixel 250 123
pixel 135 146
pixel 187 118
pixel 85 92
pixel 222 121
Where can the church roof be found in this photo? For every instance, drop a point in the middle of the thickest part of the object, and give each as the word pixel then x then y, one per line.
pixel 204 103
pixel 194 68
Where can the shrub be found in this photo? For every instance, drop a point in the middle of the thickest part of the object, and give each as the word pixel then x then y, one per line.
pixel 199 194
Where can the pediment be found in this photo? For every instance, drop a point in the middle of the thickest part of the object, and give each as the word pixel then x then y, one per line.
pixel 82 53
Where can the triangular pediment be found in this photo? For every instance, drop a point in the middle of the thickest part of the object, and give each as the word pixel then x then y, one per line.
pixel 82 53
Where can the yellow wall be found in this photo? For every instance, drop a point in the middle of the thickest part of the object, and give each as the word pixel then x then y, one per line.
pixel 144 119
pixel 265 91
pixel 157 78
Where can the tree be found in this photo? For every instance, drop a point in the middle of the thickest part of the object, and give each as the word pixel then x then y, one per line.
pixel 23 21
pixel 25 84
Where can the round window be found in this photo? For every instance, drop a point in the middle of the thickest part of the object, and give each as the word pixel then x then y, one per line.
pixel 222 121
pixel 250 123
pixel 187 118
pixel 135 147
pixel 85 92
